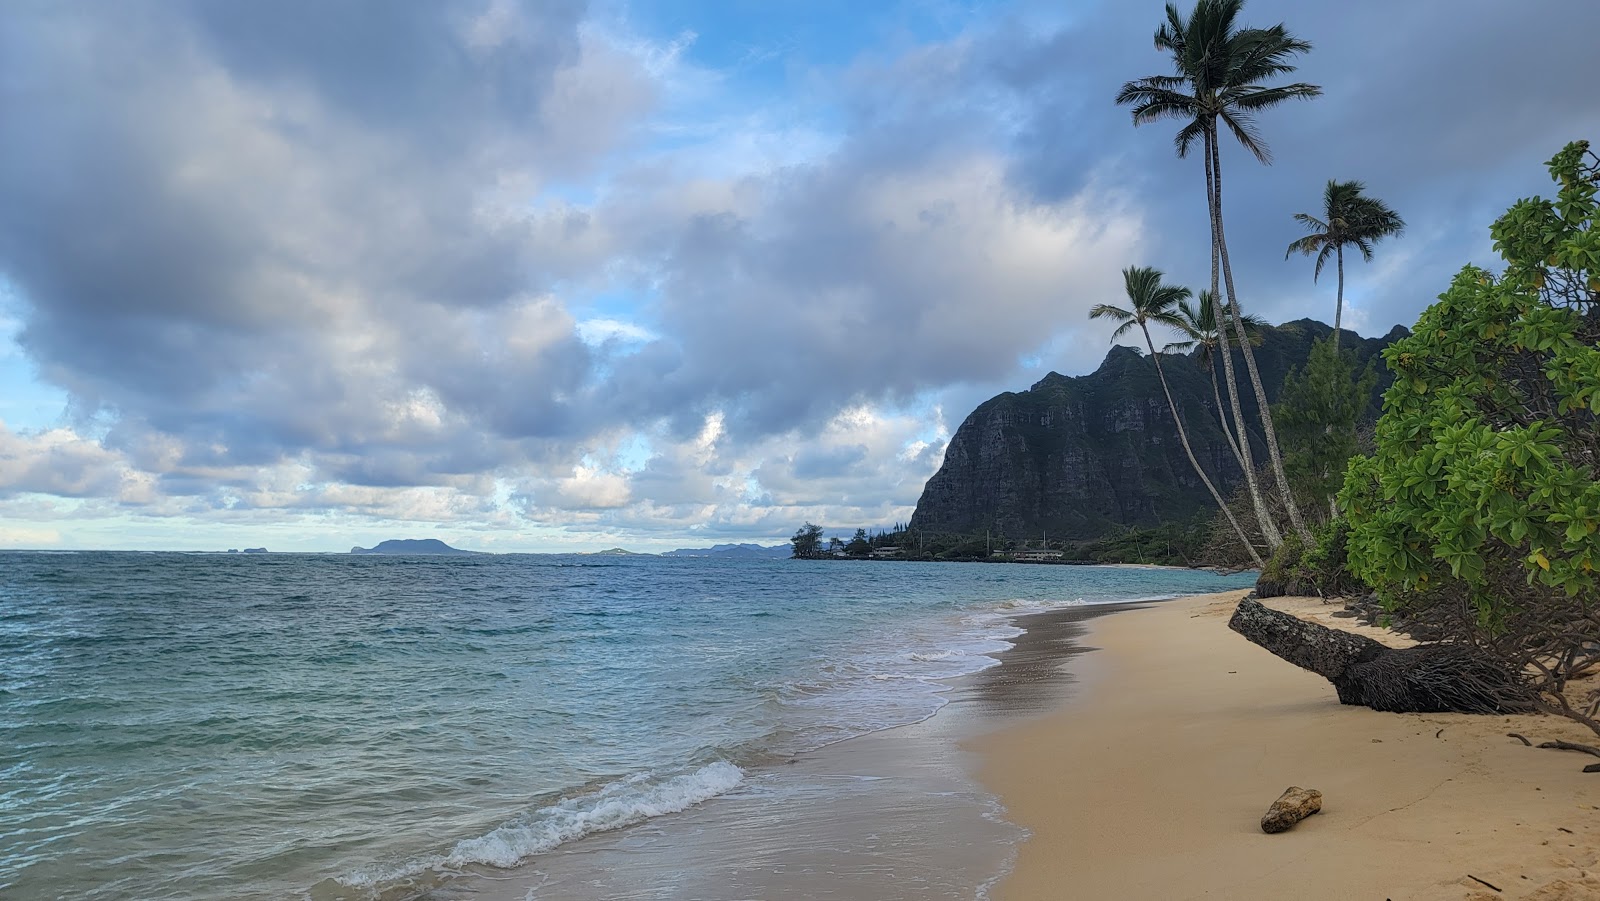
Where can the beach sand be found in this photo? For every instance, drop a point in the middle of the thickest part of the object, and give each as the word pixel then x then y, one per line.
pixel 1149 778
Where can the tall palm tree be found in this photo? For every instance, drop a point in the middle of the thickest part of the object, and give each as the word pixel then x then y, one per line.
pixel 1198 324
pixel 1219 69
pixel 1349 219
pixel 1154 302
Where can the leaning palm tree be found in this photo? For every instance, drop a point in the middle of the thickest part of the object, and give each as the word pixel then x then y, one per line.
pixel 1154 302
pixel 1349 219
pixel 1218 69
pixel 1198 324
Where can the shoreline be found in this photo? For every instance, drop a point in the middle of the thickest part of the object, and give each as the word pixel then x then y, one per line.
pixel 1149 778
pixel 896 813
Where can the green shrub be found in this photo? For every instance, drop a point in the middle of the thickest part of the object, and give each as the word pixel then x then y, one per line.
pixel 1483 494
pixel 1320 568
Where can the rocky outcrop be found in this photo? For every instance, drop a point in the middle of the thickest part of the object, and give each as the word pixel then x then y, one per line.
pixel 432 546
pixel 1081 458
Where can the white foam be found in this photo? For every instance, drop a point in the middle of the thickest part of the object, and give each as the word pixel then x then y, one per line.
pixel 616 805
pixel 619 804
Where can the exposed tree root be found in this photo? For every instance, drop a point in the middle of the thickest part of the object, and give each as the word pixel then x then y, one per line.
pixel 1431 678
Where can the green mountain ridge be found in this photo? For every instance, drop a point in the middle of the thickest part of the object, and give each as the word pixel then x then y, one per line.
pixel 1081 458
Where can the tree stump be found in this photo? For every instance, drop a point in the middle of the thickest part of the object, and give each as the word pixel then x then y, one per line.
pixel 1429 678
pixel 1294 805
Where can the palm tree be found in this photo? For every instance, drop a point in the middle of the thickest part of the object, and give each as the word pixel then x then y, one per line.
pixel 1219 68
pixel 1198 324
pixel 1153 302
pixel 1349 218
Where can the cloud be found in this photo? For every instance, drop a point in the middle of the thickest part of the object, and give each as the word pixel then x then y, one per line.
pixel 514 266
pixel 62 463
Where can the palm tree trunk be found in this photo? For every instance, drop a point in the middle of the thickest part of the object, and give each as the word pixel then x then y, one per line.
pixel 1269 434
pixel 1338 306
pixel 1183 437
pixel 1222 414
pixel 1338 316
pixel 1269 529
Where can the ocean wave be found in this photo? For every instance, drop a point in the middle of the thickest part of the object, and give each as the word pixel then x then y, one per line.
pixel 932 656
pixel 614 806
pixel 1036 604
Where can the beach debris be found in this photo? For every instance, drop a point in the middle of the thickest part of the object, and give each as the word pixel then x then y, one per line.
pixel 1428 678
pixel 1294 805
pixel 1570 746
pixel 1563 746
pixel 1573 746
pixel 1482 882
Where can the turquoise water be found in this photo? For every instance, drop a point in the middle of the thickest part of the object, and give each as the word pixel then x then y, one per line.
pixel 326 726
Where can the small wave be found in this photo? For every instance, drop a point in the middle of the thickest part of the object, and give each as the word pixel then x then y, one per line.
pixel 1035 604
pixel 615 806
pixel 932 656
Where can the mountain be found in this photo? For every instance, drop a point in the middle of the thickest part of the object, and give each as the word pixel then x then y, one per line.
pixel 616 552
pixel 1081 458
pixel 734 551
pixel 412 546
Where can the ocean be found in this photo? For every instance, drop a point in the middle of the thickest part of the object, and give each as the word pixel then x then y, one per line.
pixel 201 726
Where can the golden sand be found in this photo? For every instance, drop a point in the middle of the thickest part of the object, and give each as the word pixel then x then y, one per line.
pixel 1151 781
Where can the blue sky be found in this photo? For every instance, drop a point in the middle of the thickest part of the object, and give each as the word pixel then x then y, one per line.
pixel 561 276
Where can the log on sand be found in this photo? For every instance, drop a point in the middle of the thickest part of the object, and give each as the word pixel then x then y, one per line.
pixel 1429 678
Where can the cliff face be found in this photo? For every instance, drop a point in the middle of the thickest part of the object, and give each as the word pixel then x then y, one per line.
pixel 1080 457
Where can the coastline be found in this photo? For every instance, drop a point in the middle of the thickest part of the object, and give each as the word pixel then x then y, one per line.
pixel 1150 779
pixel 897 813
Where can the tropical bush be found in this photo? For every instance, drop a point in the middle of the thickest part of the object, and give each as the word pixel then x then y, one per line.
pixel 1483 495
pixel 1316 568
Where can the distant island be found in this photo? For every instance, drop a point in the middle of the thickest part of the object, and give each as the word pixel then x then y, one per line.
pixel 412 546
pixel 734 551
pixel 248 550
pixel 616 552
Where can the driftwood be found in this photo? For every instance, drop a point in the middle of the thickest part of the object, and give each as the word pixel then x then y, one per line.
pixel 1429 678
pixel 1294 805
pixel 1570 746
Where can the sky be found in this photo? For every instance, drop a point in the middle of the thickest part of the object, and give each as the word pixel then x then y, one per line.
pixel 561 276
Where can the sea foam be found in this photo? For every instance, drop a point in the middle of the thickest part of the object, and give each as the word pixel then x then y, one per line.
pixel 619 804
pixel 614 806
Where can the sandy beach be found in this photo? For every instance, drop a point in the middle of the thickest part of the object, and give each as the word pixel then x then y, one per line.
pixel 1148 780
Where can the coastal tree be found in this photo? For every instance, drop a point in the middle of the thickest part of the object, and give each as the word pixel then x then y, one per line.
pixel 1442 677
pixel 1219 70
pixel 860 545
pixel 807 542
pixel 1480 509
pixel 1151 301
pixel 1198 324
pixel 1318 410
pixel 1349 218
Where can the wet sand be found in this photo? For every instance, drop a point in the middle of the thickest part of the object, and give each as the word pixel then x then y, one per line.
pixel 1148 779
pixel 895 815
